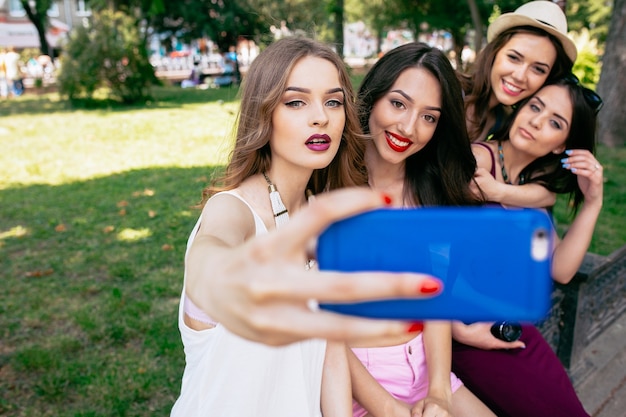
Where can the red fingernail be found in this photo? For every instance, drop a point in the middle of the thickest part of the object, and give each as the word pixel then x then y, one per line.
pixel 429 286
pixel 386 199
pixel 418 326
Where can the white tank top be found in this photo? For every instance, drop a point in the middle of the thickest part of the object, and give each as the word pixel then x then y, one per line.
pixel 228 376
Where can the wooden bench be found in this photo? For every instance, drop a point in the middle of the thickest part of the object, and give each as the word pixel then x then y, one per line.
pixel 585 307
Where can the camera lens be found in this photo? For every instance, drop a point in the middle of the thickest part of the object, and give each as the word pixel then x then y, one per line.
pixel 507 331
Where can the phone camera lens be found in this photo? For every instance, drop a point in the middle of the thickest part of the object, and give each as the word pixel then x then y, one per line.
pixel 507 331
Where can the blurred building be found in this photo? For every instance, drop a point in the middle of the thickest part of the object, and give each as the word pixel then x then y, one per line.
pixel 17 30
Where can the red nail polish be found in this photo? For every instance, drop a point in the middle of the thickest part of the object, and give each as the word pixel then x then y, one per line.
pixel 386 199
pixel 429 286
pixel 418 326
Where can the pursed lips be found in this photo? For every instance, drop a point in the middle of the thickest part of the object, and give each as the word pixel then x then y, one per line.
pixel 526 134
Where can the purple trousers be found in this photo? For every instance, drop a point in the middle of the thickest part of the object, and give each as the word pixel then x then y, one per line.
pixel 529 382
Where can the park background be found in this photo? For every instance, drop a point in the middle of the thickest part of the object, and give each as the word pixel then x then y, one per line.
pixel 98 195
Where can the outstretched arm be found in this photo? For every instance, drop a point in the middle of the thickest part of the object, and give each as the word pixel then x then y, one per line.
pixel 527 195
pixel 570 252
pixel 260 290
pixel 485 185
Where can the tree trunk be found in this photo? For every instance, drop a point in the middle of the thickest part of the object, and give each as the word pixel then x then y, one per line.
pixel 478 25
pixel 40 24
pixel 43 42
pixel 612 84
pixel 338 12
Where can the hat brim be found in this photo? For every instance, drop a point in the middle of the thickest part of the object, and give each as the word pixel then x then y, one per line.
pixel 511 20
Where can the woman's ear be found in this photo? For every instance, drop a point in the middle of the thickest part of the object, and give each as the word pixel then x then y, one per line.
pixel 559 150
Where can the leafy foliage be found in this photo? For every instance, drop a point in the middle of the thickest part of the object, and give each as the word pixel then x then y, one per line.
pixel 109 53
pixel 593 15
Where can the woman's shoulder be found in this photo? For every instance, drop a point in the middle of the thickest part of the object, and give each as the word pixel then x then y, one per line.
pixel 228 210
pixel 484 147
pixel 484 152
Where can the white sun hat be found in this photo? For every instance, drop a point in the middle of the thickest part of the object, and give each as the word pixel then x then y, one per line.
pixel 542 14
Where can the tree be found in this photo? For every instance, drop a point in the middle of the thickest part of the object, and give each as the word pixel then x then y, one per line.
pixel 109 53
pixel 38 15
pixel 478 28
pixel 594 15
pixel 379 15
pixel 612 118
pixel 337 12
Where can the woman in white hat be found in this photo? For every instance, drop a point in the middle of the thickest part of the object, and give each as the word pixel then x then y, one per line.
pixel 525 48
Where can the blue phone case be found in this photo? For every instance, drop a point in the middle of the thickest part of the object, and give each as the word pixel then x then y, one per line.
pixel 494 262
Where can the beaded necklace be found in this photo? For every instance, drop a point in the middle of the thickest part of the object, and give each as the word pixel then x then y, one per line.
pixel 505 175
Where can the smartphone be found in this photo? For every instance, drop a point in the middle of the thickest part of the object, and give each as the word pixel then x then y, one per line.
pixel 494 262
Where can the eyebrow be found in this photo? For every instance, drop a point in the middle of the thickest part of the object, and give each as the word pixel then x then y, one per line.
pixel 307 90
pixel 543 64
pixel 558 116
pixel 406 96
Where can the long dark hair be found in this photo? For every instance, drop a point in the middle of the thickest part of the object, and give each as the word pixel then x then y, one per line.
pixel 477 85
pixel 547 170
pixel 441 172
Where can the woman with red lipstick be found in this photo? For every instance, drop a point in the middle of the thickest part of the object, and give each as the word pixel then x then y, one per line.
pixel 411 108
pixel 297 134
pixel 526 48
pixel 549 140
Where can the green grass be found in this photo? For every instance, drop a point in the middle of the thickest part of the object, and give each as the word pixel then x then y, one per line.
pixel 96 204
pixel 95 208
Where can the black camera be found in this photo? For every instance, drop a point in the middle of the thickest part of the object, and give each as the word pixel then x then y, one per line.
pixel 507 331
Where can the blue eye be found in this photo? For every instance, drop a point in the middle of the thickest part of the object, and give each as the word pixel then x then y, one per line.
pixel 295 103
pixel 334 103
pixel 555 124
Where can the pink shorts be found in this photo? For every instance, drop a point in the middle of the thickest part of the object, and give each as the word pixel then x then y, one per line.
pixel 401 370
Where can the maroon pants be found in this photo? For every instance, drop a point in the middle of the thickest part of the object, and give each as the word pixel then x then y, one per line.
pixel 518 382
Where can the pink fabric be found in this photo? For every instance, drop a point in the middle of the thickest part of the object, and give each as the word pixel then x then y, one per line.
pixel 195 312
pixel 401 370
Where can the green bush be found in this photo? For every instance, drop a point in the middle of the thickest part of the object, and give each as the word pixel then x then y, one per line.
pixel 587 66
pixel 109 53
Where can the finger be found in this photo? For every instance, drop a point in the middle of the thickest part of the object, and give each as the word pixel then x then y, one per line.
pixel 577 152
pixel 327 208
pixel 330 286
pixel 596 167
pixel 518 344
pixel 301 323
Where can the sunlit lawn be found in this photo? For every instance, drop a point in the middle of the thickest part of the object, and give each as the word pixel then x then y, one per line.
pixel 95 209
